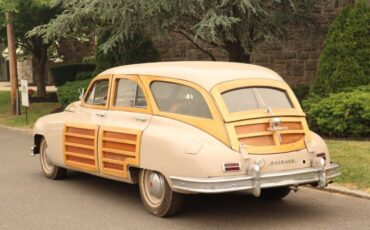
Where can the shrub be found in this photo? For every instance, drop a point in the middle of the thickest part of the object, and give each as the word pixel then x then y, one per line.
pixel 84 75
pixel 345 114
pixel 68 73
pixel 301 92
pixel 69 92
pixel 344 60
pixel 138 49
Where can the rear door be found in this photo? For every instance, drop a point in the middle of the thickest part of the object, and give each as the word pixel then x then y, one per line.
pixel 121 131
pixel 262 115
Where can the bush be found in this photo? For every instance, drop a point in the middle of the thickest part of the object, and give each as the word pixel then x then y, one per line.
pixel 69 92
pixel 344 60
pixel 345 114
pixel 138 49
pixel 84 76
pixel 68 73
pixel 301 92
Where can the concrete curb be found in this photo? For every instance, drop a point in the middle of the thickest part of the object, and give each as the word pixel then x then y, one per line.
pixel 347 191
pixel 334 188
pixel 23 130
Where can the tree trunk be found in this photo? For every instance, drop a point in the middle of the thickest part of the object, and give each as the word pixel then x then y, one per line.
pixel 39 64
pixel 236 52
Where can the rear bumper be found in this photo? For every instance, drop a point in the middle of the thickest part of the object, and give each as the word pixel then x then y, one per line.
pixel 257 180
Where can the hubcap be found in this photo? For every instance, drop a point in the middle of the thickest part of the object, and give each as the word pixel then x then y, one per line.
pixel 154 184
pixel 48 164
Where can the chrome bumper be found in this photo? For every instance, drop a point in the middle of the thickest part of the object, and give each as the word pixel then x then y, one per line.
pixel 256 180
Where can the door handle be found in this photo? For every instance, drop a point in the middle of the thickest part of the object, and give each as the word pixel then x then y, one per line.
pixel 100 115
pixel 141 118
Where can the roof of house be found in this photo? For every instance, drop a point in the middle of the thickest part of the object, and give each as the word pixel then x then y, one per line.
pixel 204 73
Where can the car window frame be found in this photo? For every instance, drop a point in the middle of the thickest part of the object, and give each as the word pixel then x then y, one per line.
pixel 135 78
pixel 217 91
pixel 92 83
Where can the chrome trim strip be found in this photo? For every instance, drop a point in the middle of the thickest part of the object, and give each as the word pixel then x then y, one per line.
pixel 257 180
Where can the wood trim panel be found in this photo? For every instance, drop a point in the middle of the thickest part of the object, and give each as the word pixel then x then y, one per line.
pixel 256 137
pixel 119 148
pixel 79 146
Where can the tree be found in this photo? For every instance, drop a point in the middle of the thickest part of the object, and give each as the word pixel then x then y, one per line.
pixel 344 60
pixel 29 14
pixel 236 26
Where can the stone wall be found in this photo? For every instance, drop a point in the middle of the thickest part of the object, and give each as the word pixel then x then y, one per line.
pixel 295 60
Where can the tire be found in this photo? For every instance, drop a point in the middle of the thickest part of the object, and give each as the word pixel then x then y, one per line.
pixel 156 194
pixel 275 193
pixel 50 170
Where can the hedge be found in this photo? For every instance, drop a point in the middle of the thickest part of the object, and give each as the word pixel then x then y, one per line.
pixel 344 114
pixel 69 72
pixel 69 92
pixel 344 60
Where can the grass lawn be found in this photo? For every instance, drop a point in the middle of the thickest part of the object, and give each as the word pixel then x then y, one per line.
pixel 35 111
pixel 354 159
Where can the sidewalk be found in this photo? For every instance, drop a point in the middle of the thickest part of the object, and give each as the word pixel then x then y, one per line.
pixel 5 86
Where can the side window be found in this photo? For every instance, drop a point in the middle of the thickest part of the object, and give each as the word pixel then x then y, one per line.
pixel 98 93
pixel 180 99
pixel 129 94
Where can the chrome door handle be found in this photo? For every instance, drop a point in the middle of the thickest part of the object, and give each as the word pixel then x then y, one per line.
pixel 141 118
pixel 100 115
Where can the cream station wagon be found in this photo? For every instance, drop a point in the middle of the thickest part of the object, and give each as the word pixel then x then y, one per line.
pixel 180 128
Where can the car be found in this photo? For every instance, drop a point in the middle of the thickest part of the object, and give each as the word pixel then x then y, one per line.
pixel 178 128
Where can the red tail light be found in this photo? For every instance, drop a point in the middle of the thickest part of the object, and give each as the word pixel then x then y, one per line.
pixel 228 167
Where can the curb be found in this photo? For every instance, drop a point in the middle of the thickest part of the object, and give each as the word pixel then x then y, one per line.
pixel 23 130
pixel 334 188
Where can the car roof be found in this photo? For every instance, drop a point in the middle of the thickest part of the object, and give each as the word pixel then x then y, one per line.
pixel 204 73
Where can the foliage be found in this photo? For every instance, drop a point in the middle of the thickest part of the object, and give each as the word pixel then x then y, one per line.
pixel 84 75
pixel 69 92
pixel 345 114
pixel 344 61
pixel 233 25
pixel 27 14
pixel 301 92
pixel 68 72
pixel 137 49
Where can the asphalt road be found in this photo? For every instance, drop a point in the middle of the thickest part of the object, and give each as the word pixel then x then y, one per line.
pixel 30 201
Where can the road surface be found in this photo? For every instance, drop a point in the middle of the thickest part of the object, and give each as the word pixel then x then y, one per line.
pixel 30 201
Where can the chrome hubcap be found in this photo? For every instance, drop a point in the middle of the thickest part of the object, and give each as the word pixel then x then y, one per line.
pixel 48 164
pixel 154 187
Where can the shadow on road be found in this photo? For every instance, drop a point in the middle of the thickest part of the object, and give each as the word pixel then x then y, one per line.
pixel 229 205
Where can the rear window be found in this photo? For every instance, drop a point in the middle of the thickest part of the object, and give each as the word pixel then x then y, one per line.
pixel 179 99
pixel 253 98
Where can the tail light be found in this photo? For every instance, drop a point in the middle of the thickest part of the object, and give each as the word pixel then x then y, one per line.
pixel 231 167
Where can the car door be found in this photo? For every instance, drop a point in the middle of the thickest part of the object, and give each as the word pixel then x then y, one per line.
pixel 121 131
pixel 80 137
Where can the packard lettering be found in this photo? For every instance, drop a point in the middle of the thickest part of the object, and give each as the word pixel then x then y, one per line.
pixel 279 162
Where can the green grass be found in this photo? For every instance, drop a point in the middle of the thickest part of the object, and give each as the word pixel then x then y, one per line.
pixel 354 159
pixel 35 111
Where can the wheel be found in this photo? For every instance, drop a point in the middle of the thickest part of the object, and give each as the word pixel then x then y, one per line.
pixel 156 194
pixel 50 170
pixel 275 193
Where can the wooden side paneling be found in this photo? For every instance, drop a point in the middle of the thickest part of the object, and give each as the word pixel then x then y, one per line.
pixel 257 137
pixel 80 146
pixel 119 149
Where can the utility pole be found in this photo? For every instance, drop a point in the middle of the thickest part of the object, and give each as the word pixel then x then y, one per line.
pixel 12 63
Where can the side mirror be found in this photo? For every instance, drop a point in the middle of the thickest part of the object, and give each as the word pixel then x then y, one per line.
pixel 81 92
